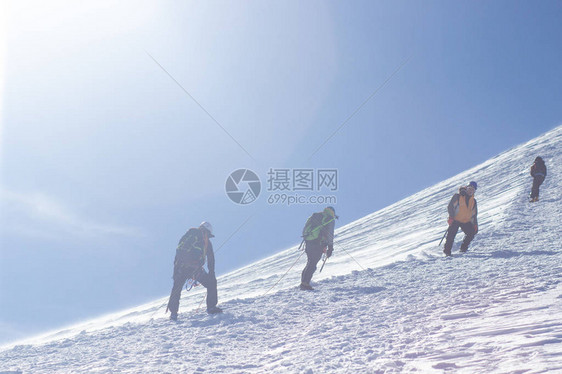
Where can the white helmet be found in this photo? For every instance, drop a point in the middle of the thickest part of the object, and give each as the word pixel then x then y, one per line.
pixel 207 226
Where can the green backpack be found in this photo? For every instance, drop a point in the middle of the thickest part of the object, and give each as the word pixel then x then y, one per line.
pixel 313 226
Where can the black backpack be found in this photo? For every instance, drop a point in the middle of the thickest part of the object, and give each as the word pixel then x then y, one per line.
pixel 191 249
pixel 539 167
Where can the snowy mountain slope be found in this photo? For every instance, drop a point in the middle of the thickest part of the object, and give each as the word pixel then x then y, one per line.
pixel 497 308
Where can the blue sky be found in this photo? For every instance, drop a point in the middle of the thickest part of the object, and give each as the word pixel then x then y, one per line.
pixel 106 161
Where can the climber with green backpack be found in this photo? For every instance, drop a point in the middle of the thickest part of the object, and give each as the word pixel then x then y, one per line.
pixel 318 233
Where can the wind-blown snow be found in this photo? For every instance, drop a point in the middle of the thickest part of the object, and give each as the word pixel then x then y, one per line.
pixel 387 301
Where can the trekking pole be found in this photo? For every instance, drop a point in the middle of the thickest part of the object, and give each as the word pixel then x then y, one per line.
pixel 324 263
pixel 444 235
pixel 300 246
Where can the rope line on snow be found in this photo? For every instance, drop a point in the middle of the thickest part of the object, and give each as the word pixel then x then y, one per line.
pixel 353 258
pixel 200 303
pixel 279 280
pixel 357 262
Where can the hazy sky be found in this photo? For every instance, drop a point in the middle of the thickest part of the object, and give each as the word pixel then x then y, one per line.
pixel 121 122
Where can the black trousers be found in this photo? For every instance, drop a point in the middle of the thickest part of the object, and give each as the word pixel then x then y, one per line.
pixel 467 228
pixel 181 275
pixel 537 181
pixel 314 250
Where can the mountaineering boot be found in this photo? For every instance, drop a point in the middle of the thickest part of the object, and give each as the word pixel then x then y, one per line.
pixel 173 317
pixel 214 310
pixel 306 287
pixel 447 253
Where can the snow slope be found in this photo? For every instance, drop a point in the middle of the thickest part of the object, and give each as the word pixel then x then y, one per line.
pixel 388 301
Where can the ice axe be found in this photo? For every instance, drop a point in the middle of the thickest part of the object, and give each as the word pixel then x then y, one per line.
pixel 444 235
pixel 325 259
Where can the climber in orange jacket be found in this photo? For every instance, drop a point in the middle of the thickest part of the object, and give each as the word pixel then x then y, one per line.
pixel 463 213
